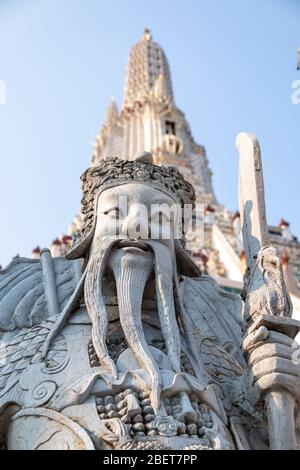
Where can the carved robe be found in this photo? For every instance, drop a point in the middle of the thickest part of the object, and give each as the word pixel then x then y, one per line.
pixel 68 401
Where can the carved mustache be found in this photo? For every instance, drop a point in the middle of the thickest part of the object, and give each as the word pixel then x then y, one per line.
pixel 164 274
pixel 95 303
pixel 91 284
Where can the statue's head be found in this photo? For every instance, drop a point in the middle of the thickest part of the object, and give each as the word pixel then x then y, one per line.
pixel 135 200
pixel 132 225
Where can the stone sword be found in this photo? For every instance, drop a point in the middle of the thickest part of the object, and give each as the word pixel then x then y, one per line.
pixel 279 402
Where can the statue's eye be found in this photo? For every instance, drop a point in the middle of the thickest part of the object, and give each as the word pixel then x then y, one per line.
pixel 112 211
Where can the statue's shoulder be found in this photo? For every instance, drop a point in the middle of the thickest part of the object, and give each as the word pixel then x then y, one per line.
pixel 32 290
pixel 217 312
pixel 24 369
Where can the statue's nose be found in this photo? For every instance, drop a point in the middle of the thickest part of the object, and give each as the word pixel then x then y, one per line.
pixel 136 224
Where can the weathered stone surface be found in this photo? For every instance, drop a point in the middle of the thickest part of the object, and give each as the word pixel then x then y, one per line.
pixel 142 352
pixel 273 373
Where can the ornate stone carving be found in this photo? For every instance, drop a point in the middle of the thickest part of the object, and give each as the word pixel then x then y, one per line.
pixel 44 429
pixel 145 353
pixel 268 344
pixel 264 291
pixel 115 172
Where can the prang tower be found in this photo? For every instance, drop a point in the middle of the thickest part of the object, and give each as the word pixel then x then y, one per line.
pixel 150 120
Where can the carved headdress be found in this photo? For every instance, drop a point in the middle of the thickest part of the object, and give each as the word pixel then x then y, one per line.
pixel 113 172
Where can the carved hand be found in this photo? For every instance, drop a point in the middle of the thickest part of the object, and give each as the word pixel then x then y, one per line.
pixel 273 360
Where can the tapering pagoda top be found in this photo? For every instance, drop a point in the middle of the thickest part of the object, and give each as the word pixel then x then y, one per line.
pixel 147 63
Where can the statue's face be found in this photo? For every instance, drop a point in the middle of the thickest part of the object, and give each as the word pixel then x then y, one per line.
pixel 136 211
pixel 134 242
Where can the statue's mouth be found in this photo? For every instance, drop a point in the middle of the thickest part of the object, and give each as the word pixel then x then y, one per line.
pixel 128 245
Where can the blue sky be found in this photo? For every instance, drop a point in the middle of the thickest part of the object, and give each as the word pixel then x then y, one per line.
pixel 232 62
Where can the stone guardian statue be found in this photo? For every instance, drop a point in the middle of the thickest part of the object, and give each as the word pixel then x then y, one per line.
pixel 125 344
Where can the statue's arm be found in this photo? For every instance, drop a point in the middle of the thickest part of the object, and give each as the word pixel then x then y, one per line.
pixel 268 345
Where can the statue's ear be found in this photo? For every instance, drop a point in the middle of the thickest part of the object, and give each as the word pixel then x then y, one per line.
pixel 185 264
pixel 81 247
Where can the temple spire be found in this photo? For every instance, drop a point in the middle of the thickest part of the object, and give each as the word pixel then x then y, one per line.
pixel 111 113
pixel 150 120
pixel 147 62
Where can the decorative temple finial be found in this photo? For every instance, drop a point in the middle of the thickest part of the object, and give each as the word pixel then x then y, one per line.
pixel 147 35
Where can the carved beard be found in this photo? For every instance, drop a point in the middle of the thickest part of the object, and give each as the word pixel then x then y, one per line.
pixel 132 268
